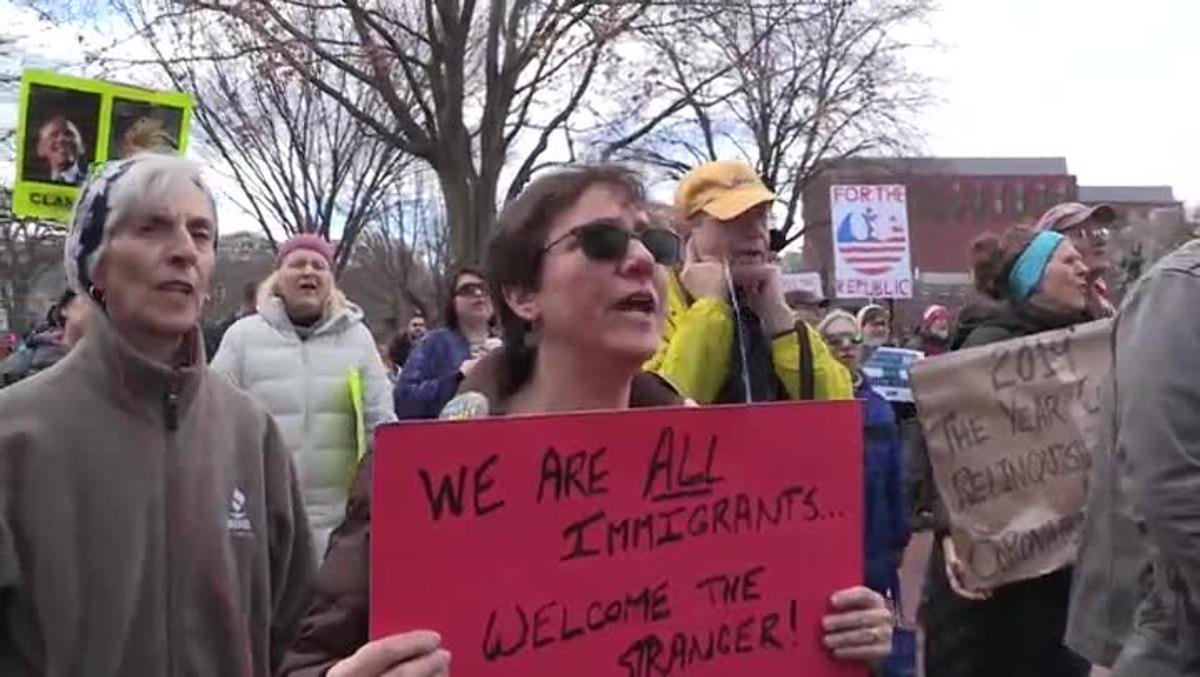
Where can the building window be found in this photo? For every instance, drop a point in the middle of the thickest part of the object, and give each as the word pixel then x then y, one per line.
pixel 977 199
pixel 1019 199
pixel 998 200
pixel 1040 198
pixel 956 199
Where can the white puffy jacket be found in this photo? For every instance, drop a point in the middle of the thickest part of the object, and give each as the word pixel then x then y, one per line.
pixel 305 384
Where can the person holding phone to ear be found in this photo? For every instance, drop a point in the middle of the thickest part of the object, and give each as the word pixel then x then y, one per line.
pixel 730 336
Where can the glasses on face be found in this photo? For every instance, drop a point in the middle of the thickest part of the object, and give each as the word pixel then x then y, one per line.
pixel 468 290
pixel 843 340
pixel 1090 233
pixel 608 241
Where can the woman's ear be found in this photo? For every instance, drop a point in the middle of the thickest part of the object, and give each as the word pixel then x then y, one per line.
pixel 99 277
pixel 523 303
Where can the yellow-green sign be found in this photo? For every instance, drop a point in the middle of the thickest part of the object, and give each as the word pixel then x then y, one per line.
pixel 69 125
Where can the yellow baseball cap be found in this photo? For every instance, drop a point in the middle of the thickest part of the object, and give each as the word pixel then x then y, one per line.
pixel 724 190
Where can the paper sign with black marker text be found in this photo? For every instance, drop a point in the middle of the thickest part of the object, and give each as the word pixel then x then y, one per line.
pixel 1011 429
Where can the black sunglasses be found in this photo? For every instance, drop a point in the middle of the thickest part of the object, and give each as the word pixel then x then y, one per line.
pixel 608 241
pixel 843 340
pixel 471 289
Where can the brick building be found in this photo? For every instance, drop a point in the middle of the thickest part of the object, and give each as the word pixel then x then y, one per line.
pixel 951 201
pixel 1133 203
pixel 1153 223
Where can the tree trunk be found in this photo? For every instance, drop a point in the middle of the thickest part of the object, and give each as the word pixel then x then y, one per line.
pixel 470 208
pixel 459 209
pixel 21 319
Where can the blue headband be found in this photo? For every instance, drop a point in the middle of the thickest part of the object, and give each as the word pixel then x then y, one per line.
pixel 1031 265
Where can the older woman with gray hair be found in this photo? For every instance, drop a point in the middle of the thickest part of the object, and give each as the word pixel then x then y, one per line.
pixel 308 357
pixel 150 520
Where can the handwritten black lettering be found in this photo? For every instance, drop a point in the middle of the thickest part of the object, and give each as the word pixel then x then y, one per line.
pixel 1029 362
pixel 447 492
pixel 1036 467
pixel 450 493
pixel 677 652
pixel 1089 394
pixel 576 531
pixel 567 479
pixel 727 589
pixel 669 534
pixel 602 534
pixel 960 432
pixel 670 476
pixel 767 638
pixel 812 511
pixel 483 482
pixel 629 535
pixel 992 557
pixel 557 622
pixel 1026 367
pixel 1000 357
pixel 541 620
pixel 720 511
pixel 1061 351
pixel 493 643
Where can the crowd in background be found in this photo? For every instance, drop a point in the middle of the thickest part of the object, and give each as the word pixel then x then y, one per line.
pixel 254 514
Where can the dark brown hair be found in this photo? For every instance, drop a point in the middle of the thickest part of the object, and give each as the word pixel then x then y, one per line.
pixel 993 257
pixel 515 252
pixel 450 312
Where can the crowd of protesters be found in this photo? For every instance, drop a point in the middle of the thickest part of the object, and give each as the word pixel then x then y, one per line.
pixel 216 519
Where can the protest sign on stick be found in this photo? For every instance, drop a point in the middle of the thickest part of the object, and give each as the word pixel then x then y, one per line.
pixel 697 542
pixel 1011 429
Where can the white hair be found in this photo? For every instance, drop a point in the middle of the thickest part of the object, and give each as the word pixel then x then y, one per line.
pixel 135 183
pixel 838 316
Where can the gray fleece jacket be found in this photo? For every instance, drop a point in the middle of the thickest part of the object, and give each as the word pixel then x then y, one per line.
pixel 1157 374
pixel 150 521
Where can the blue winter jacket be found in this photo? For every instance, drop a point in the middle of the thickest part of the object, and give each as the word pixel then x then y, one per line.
pixel 887 530
pixel 429 378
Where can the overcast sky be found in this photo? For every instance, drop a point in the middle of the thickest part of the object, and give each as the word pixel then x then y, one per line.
pixel 1108 84
pixel 1105 83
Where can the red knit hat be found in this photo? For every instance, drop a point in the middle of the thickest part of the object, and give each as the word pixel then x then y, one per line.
pixel 310 241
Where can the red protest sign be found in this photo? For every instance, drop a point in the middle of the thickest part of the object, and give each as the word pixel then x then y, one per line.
pixel 644 543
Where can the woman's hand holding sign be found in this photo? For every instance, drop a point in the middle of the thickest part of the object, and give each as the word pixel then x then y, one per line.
pixel 954 574
pixel 860 629
pixel 411 654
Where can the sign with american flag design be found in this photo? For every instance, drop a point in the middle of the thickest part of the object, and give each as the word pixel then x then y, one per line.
pixel 871 245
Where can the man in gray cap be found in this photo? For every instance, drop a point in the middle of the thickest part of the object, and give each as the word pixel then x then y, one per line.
pixel 1089 229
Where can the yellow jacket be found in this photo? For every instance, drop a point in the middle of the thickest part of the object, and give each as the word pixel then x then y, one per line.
pixel 694 355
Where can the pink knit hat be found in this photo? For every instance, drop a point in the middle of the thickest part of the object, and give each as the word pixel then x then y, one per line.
pixel 933 314
pixel 310 241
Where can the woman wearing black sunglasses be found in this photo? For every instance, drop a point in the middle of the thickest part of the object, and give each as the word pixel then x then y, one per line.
pixel 578 275
pixel 435 367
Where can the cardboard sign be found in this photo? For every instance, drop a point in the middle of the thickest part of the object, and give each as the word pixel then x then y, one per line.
pixel 1011 429
pixel 888 370
pixel 66 125
pixel 871 252
pixel 647 543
